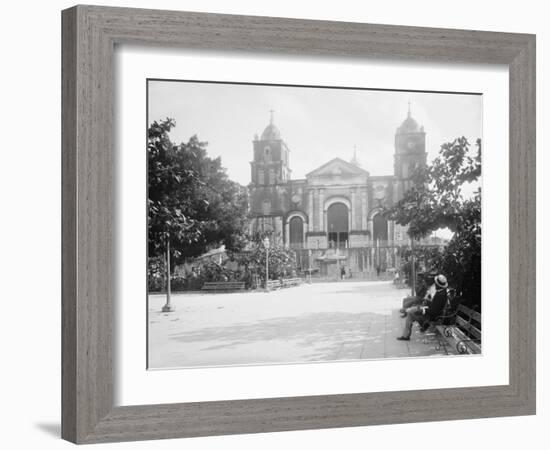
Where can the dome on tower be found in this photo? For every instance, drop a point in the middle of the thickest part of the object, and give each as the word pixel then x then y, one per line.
pixel 409 125
pixel 271 132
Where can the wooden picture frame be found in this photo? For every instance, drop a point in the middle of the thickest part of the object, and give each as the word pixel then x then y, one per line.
pixel 90 34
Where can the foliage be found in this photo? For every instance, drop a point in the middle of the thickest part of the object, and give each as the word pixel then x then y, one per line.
pixel 438 199
pixel 156 274
pixel 180 283
pixel 190 197
pixel 281 260
pixel 247 266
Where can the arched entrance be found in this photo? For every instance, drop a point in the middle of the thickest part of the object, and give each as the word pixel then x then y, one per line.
pixel 379 228
pixel 296 232
pixel 338 225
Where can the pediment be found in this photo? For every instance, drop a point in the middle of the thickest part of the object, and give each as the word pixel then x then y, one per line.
pixel 336 168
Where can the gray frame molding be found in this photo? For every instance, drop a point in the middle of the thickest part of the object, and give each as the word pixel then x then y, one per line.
pixel 89 36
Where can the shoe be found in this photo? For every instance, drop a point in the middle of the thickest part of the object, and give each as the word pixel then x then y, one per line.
pixel 403 338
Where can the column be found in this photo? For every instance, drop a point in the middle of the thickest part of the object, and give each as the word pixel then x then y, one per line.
pixel 287 234
pixel 353 210
pixel 310 211
pixel 364 209
pixel 321 206
pixel 370 228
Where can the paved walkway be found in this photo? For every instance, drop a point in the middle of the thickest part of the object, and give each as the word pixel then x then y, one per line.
pixel 317 322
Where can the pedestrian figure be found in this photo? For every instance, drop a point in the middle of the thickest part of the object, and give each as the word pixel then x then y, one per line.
pixel 343 272
pixel 378 271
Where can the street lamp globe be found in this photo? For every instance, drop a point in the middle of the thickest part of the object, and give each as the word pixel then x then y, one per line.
pixel 266 242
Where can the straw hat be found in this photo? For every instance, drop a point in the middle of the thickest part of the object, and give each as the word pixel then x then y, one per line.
pixel 441 281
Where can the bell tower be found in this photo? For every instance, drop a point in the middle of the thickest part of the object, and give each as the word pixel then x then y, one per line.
pixel 410 148
pixel 270 165
pixel 269 178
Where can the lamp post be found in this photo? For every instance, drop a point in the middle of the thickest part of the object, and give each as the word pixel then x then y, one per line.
pixel 168 305
pixel 413 269
pixel 309 264
pixel 266 245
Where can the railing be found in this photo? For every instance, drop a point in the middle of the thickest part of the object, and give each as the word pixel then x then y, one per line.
pixel 369 245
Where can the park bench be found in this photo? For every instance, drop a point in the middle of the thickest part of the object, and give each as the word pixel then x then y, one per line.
pixel 463 333
pixel 273 284
pixel 287 282
pixel 223 286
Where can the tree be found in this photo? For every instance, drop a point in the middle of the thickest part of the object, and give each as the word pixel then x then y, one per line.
pixel 281 260
pixel 439 199
pixel 190 197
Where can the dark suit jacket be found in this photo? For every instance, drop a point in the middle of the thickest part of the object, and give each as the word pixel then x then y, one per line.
pixel 437 304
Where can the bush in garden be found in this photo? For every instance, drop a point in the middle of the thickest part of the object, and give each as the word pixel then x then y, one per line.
pixel 156 279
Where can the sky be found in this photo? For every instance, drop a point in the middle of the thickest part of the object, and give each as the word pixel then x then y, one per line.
pixel 317 124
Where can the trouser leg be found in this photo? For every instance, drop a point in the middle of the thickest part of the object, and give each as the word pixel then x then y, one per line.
pixel 407 303
pixel 413 314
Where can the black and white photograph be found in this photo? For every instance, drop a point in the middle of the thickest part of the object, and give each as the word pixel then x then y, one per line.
pixel 275 225
pixel 305 224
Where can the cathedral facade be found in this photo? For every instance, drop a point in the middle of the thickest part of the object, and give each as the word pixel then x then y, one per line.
pixel 338 204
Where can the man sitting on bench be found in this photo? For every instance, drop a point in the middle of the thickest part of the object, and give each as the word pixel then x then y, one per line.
pixel 429 310
pixel 417 301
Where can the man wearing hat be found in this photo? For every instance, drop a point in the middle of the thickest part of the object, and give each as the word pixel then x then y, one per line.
pixel 428 311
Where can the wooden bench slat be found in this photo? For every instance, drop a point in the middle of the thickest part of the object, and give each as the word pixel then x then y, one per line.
pixel 473 347
pixel 467 323
pixel 456 337
pixel 469 327
pixel 223 286
pixel 291 281
pixel 273 283
pixel 470 313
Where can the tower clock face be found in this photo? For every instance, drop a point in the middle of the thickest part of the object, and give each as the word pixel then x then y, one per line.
pixel 295 198
pixel 410 145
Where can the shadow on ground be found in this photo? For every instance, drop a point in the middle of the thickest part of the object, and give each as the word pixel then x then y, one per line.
pixel 321 331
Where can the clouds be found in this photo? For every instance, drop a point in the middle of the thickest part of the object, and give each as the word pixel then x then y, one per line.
pixel 317 124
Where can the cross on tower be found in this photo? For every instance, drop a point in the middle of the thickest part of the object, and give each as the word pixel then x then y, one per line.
pixel 409 113
pixel 271 116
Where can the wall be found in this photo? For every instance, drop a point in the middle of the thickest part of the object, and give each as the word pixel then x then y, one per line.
pixel 30 225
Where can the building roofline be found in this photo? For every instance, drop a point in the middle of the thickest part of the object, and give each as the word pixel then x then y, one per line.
pixel 337 159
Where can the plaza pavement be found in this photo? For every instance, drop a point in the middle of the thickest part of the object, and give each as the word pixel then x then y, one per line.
pixel 312 322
